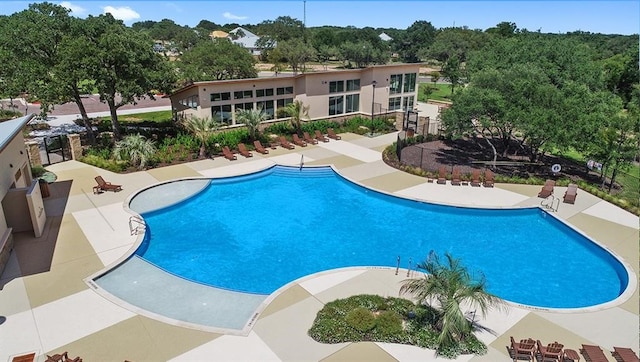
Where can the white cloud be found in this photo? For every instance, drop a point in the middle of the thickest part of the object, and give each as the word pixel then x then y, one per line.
pixel 228 15
pixel 75 9
pixel 123 13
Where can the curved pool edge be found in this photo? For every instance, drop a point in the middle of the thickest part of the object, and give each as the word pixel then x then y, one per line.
pixel 632 282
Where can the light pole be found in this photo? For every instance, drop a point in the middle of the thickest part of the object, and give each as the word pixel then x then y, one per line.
pixel 373 102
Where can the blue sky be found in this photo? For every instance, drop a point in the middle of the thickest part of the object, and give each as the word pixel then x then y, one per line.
pixel 609 17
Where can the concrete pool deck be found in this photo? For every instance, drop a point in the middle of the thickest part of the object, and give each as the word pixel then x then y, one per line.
pixel 46 307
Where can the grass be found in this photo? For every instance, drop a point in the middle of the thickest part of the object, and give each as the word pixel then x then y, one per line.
pixel 158 117
pixel 441 92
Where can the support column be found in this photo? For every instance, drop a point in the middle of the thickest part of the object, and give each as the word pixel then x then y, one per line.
pixel 33 150
pixel 75 146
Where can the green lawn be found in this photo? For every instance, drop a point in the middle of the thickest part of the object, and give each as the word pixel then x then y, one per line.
pixel 159 117
pixel 441 92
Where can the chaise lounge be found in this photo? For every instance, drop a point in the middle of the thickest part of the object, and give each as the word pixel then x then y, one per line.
pixel 105 186
pixel 243 150
pixel 488 178
pixel 285 144
pixel 455 177
pixel 570 194
pixel 297 141
pixel 623 354
pixel 228 154
pixel 475 178
pixel 547 189
pixel 442 176
pixel 593 353
pixel 332 134
pixel 307 138
pixel 321 137
pixel 260 148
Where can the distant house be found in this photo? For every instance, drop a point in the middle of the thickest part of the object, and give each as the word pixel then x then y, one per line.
pixel 246 39
pixel 216 34
pixel 384 37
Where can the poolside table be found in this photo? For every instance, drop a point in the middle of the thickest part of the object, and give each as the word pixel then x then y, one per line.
pixel 571 354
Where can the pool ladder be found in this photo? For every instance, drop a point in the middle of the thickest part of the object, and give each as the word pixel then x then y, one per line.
pixel 137 225
pixel 549 203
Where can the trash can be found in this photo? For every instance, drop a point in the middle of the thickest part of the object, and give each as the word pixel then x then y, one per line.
pixel 44 188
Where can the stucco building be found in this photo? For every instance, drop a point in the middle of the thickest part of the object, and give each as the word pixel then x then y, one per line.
pixel 377 89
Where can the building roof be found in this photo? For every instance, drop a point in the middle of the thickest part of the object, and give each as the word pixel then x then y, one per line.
pixel 383 36
pixel 219 34
pixel 9 129
pixel 246 32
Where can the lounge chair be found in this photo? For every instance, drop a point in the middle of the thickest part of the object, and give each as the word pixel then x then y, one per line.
pixel 285 144
pixel 297 141
pixel 623 354
pixel 243 150
pixel 552 352
pixel 475 178
pixel 260 148
pixel 307 138
pixel 321 137
pixel 570 194
pixel 547 189
pixel 332 134
pixel 64 357
pixel 593 353
pixel 105 186
pixel 442 175
pixel 228 154
pixel 455 177
pixel 488 178
pixel 525 348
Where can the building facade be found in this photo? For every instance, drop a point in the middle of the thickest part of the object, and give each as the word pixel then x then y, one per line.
pixel 372 90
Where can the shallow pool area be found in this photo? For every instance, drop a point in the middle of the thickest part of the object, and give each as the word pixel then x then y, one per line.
pixel 256 233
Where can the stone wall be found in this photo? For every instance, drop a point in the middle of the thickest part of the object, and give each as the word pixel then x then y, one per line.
pixel 33 150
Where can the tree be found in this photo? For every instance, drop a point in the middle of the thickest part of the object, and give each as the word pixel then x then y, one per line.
pixel 452 71
pixel 448 287
pixel 504 29
pixel 284 28
pixel 202 129
pixel 136 149
pixel 218 59
pixel 252 118
pixel 128 67
pixel 296 111
pixel 418 36
pixel 296 52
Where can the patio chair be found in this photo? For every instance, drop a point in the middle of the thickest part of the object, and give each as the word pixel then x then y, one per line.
pixel 623 354
pixel 105 186
pixel 62 358
pixel 228 154
pixel 307 138
pixel 593 353
pixel 260 148
pixel 547 189
pixel 243 150
pixel 285 144
pixel 442 176
pixel 332 134
pixel 525 348
pixel 570 194
pixel 552 352
pixel 321 137
pixel 475 178
pixel 297 141
pixel 488 178
pixel 455 177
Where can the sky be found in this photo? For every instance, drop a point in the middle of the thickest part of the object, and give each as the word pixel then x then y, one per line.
pixel 607 17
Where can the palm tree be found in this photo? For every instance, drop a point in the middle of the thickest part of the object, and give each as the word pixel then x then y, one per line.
pixel 450 286
pixel 296 111
pixel 136 149
pixel 202 128
pixel 251 119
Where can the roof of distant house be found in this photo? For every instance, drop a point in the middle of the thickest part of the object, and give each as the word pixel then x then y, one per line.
pixel 385 37
pixel 218 34
pixel 247 33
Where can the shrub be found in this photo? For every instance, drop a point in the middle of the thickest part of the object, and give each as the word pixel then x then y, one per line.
pixel 37 171
pixel 107 164
pixel 388 324
pixel 361 319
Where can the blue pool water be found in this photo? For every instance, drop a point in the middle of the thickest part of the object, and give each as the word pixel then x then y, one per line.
pixel 256 233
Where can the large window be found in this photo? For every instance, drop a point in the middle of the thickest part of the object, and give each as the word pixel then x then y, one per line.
pixel 336 105
pixel 353 85
pixel 222 113
pixel 409 82
pixel 247 106
pixel 267 107
pixel 243 94
pixel 225 96
pixel 407 103
pixel 394 103
pixel 395 84
pixel 352 103
pixel 268 92
pixel 281 103
pixel 284 90
pixel 336 86
pixel 191 102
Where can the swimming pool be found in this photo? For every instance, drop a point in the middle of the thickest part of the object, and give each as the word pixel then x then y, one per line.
pixel 258 232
